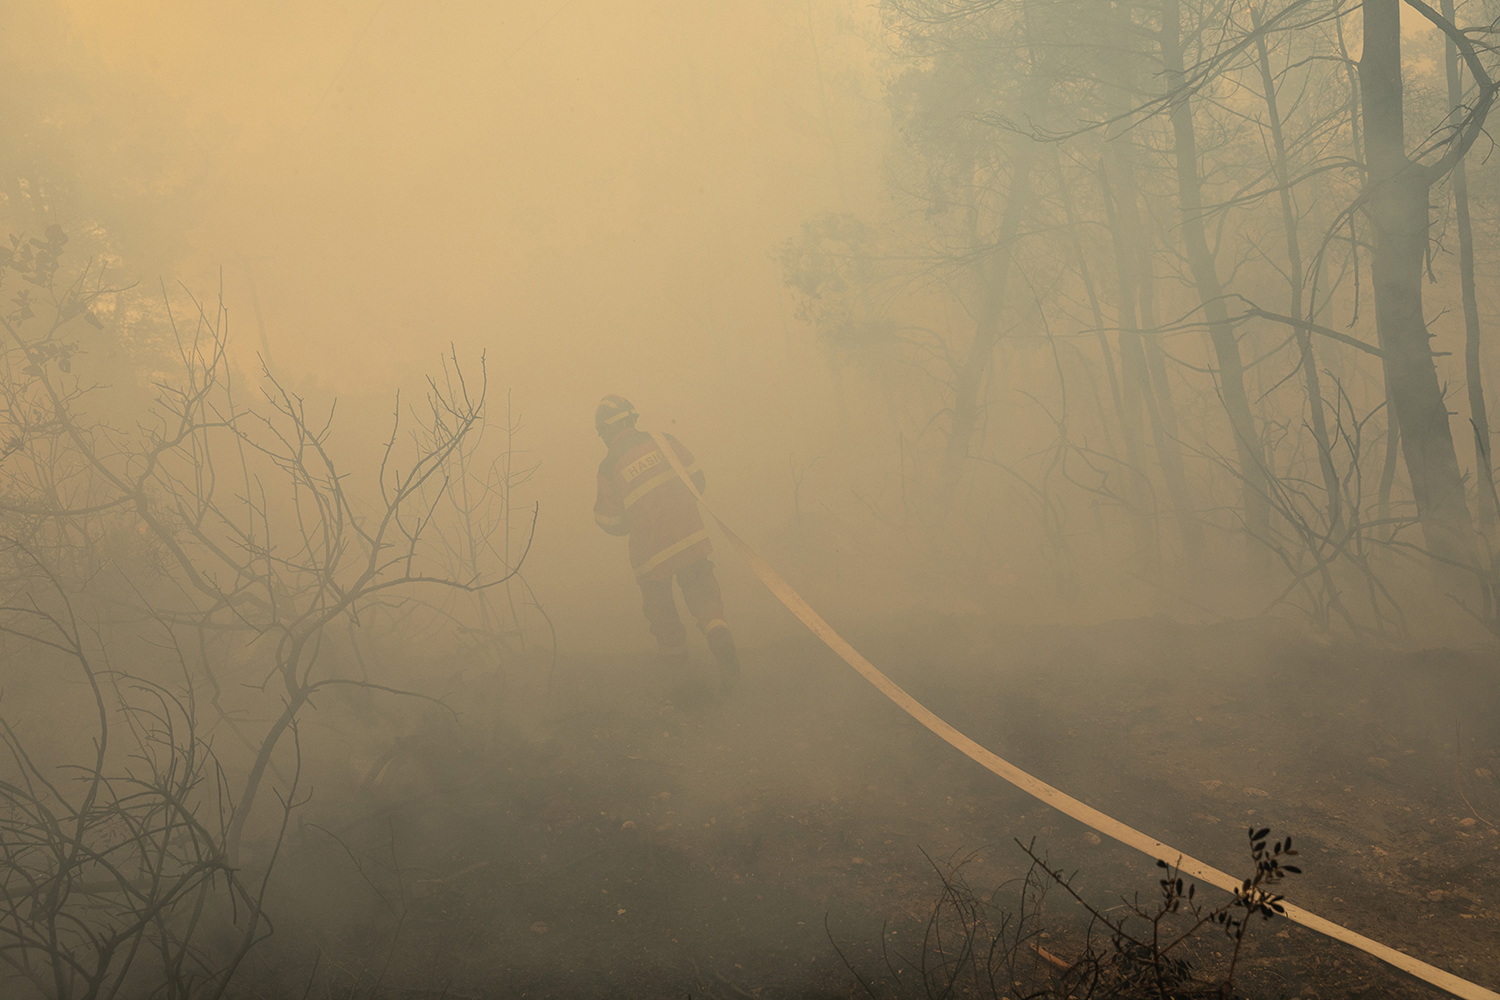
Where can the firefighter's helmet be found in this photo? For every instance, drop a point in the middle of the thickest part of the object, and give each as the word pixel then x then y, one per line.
pixel 614 413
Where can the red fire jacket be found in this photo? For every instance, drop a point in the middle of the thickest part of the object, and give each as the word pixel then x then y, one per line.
pixel 641 496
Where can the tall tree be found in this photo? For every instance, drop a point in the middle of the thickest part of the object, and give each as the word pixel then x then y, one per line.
pixel 993 273
pixel 1396 199
pixel 1205 271
pixel 1479 418
pixel 1295 276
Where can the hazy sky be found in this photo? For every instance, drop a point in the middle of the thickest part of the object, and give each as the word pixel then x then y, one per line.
pixel 590 192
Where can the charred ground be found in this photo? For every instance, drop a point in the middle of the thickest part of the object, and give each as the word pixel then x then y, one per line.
pixel 629 840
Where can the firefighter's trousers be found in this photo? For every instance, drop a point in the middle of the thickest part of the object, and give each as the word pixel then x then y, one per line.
pixel 700 591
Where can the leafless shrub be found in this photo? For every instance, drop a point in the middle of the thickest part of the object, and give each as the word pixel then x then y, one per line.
pixel 230 534
pixel 114 873
pixel 971 946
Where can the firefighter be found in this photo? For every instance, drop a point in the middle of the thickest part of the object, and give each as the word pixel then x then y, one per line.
pixel 640 495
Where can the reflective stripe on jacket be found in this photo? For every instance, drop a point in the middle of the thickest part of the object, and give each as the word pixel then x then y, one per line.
pixel 640 495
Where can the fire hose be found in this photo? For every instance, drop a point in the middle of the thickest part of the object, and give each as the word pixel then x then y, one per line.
pixel 1057 799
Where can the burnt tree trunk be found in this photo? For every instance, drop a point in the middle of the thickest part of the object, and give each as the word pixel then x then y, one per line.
pixel 1295 275
pixel 1396 201
pixel 1479 417
pixel 1205 273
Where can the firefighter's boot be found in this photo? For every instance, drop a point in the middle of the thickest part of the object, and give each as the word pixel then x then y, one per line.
pixel 721 644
